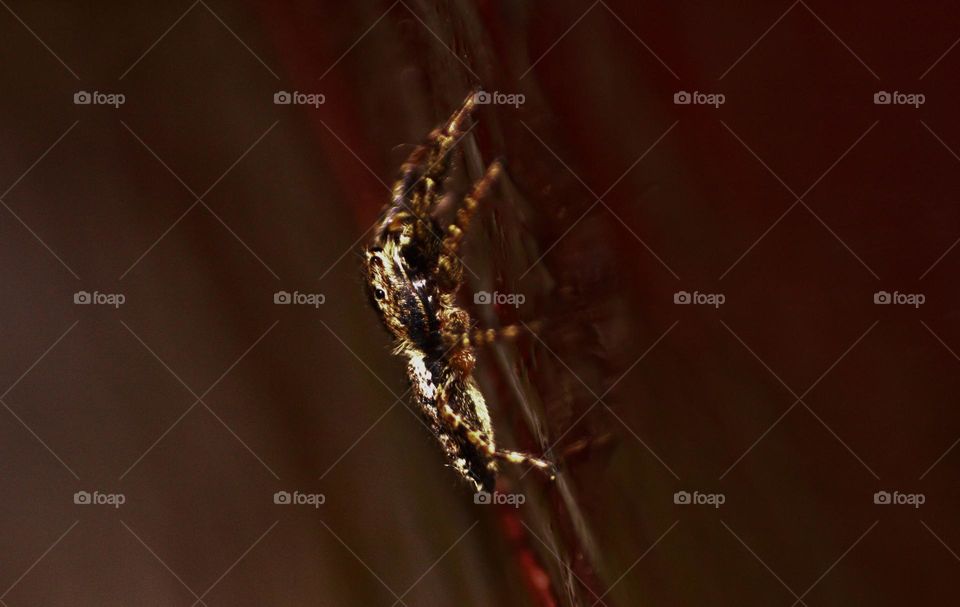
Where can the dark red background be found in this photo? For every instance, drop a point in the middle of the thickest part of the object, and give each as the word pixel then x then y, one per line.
pixel 313 396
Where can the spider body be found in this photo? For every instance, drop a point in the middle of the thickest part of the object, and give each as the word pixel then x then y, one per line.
pixel 412 274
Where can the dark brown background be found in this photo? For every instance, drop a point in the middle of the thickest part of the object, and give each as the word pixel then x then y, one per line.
pixel 309 406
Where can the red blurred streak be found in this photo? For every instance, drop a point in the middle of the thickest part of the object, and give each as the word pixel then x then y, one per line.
pixel 535 577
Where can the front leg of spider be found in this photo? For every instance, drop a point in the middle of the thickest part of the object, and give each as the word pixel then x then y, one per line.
pixel 413 272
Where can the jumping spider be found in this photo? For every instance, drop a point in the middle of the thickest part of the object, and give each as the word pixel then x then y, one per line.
pixel 412 274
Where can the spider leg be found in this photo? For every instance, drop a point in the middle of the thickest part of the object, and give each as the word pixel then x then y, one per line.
pixel 449 267
pixel 515 457
pixel 480 190
pixel 482 443
pixel 508 333
pixel 485 337
pixel 430 161
pixel 445 137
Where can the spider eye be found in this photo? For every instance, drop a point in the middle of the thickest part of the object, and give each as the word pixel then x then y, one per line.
pixel 379 294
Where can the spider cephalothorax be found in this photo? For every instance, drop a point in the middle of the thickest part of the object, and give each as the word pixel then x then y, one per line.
pixel 412 274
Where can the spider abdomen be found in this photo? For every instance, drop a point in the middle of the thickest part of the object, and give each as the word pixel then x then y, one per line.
pixel 436 389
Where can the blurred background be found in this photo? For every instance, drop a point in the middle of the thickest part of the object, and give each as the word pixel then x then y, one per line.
pixel 707 208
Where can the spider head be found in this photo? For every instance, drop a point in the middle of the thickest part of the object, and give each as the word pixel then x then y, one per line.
pixel 400 299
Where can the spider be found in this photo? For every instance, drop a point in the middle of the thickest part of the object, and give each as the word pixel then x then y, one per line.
pixel 412 273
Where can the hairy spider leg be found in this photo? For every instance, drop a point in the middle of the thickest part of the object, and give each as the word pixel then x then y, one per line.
pixel 420 184
pixel 434 154
pixel 515 457
pixel 449 267
pixel 484 445
pixel 484 337
pixel 508 333
pixel 479 192
pixel 447 136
